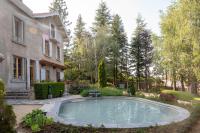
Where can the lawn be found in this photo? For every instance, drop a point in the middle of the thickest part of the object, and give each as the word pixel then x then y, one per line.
pixel 106 91
pixel 185 96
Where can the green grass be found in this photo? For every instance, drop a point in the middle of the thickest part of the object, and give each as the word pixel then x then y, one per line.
pixel 185 96
pixel 106 91
pixel 110 91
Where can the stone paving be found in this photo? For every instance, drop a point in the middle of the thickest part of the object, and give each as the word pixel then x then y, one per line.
pixel 40 102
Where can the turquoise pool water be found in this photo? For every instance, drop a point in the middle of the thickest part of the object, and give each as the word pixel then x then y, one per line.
pixel 123 113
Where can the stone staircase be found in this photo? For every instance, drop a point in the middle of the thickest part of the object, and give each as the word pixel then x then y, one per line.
pixel 18 95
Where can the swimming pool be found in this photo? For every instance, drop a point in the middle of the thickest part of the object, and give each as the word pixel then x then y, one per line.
pixel 116 112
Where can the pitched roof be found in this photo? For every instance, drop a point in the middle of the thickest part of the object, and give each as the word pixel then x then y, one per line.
pixel 51 14
pixel 43 15
pixel 22 7
pixel 30 13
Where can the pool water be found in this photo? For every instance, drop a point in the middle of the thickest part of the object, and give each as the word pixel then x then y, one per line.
pixel 123 113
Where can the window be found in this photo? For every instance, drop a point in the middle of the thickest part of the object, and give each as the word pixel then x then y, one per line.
pixel 52 31
pixel 18 30
pixel 58 76
pixel 47 48
pixel 18 68
pixel 58 53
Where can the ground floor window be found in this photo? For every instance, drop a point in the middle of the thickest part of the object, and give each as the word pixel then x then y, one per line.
pixel 18 68
pixel 45 73
pixel 58 76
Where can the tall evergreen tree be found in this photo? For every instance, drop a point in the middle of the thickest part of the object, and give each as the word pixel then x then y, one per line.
pixel 101 31
pixel 140 47
pixel 117 49
pixel 148 56
pixel 102 18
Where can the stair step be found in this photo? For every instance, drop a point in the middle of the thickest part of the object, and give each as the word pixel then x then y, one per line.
pixel 17 95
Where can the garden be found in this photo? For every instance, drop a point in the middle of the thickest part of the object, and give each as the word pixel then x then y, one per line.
pixel 110 80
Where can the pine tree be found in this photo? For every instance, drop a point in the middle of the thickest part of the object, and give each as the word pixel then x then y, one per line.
pixel 148 56
pixel 137 50
pixel 102 18
pixel 101 31
pixel 118 50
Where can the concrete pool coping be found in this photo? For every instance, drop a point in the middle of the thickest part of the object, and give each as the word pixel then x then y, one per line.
pixel 52 110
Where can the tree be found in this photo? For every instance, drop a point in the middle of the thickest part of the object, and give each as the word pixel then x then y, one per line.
pixel 118 48
pixel 60 7
pixel 181 42
pixel 140 50
pixel 102 74
pixel 101 34
pixel 102 18
pixel 148 56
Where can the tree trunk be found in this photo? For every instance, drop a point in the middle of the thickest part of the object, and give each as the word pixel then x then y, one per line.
pixel 166 79
pixel 182 83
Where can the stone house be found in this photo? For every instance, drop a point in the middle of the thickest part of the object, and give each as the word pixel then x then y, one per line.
pixel 32 45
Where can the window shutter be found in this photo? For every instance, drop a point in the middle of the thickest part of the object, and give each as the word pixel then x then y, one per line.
pixel 13 28
pixel 22 39
pixel 50 49
pixel 43 45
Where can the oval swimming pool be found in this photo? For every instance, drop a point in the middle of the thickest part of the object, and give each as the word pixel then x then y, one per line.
pixel 118 112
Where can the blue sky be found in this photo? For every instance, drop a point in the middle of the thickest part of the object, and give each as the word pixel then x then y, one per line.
pixel 127 9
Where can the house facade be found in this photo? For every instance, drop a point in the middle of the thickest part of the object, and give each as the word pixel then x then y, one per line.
pixel 32 45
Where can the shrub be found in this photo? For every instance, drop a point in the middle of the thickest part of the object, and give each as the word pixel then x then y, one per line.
pixel 74 90
pixel 102 74
pixel 42 89
pixel 7 116
pixel 1 88
pixel 185 96
pixel 110 91
pixel 167 97
pixel 132 90
pixel 36 120
pixel 85 93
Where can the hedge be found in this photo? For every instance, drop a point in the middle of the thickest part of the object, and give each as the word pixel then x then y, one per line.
pixel 1 88
pixel 42 91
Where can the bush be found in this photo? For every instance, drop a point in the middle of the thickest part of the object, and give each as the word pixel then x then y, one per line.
pixel 110 91
pixel 185 96
pixel 7 116
pixel 85 93
pixel 102 74
pixel 1 88
pixel 42 89
pixel 36 120
pixel 167 97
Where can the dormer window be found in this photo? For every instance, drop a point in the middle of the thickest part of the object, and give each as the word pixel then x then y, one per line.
pixel 18 30
pixel 53 34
